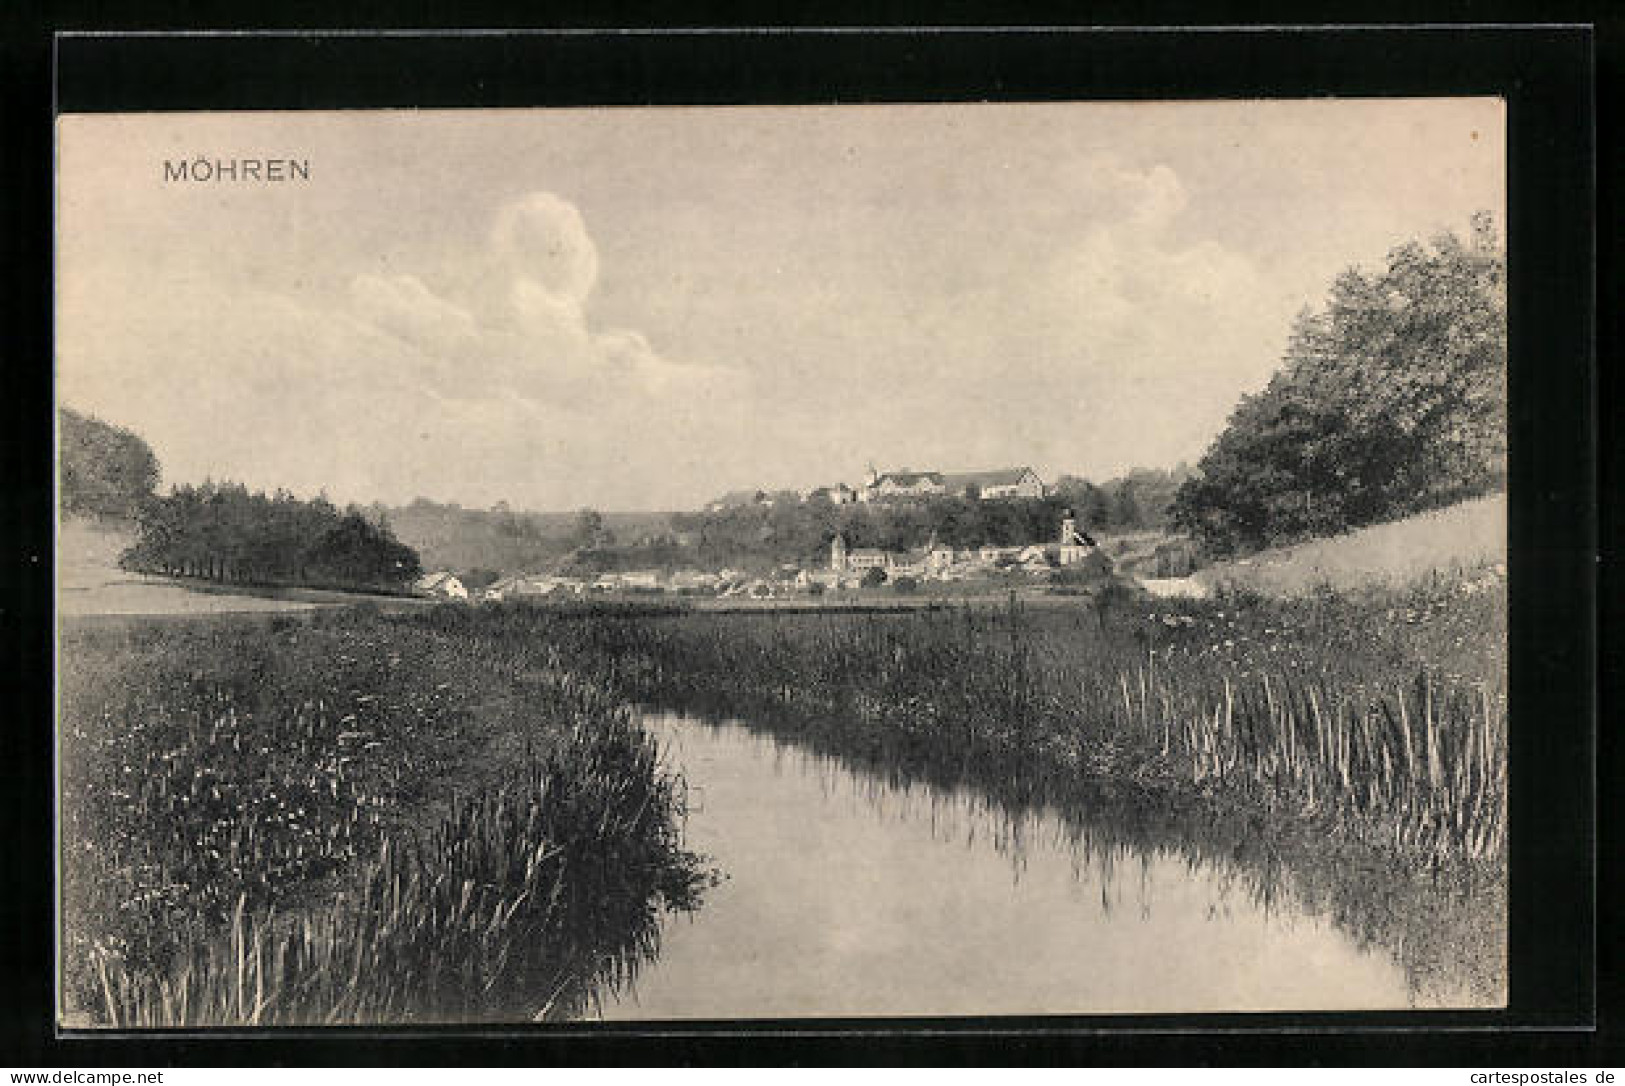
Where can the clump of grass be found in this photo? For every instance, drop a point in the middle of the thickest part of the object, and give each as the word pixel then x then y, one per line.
pixel 234 788
pixel 525 902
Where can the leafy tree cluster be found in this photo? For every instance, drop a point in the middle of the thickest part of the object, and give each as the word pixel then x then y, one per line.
pixel 224 533
pixel 106 471
pixel 1138 501
pixel 1390 400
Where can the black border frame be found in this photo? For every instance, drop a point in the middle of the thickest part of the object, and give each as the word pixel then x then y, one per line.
pixel 1546 73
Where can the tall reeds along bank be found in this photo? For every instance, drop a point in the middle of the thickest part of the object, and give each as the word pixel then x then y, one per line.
pixel 1344 750
pixel 1379 717
pixel 1266 740
pixel 348 823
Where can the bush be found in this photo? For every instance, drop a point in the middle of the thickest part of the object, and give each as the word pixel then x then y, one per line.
pixel 906 584
pixel 874 577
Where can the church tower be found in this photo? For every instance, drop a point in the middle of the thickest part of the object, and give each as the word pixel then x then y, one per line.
pixel 1075 546
pixel 837 554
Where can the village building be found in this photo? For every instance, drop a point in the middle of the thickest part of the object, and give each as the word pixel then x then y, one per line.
pixel 844 560
pixel 1020 482
pixel 839 494
pixel 443 584
pixel 735 499
pixel 688 580
pixel 863 558
pixel 903 484
pixel 522 586
pixel 1076 545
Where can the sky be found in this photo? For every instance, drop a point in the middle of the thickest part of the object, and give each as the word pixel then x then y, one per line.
pixel 644 308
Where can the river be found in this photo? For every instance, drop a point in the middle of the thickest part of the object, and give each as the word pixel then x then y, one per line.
pixel 845 896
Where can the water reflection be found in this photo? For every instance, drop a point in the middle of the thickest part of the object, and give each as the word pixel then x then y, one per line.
pixel 849 894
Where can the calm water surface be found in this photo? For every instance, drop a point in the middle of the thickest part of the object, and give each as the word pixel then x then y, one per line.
pixel 846 897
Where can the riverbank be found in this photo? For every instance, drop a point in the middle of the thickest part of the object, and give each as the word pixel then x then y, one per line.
pixel 1382 714
pixel 1367 727
pixel 348 821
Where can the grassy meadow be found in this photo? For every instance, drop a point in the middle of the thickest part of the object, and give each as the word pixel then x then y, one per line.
pixel 1459 538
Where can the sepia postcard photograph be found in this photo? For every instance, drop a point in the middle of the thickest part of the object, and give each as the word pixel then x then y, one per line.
pixel 798 562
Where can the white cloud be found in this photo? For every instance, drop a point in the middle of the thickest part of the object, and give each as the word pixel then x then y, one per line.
pixel 537 344
pixel 405 307
pixel 1150 298
pixel 543 238
pixel 393 389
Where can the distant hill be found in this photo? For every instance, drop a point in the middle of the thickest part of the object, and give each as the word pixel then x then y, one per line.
pixel 448 536
pixel 1465 536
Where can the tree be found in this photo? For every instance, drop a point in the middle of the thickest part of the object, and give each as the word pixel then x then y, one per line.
pixel 590 532
pixel 1125 506
pixel 105 470
pixel 1389 400
pixel 223 532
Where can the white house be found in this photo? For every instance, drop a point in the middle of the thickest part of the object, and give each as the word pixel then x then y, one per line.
pixel 442 584
pixel 839 494
pixel 842 560
pixel 1020 482
pixel 523 586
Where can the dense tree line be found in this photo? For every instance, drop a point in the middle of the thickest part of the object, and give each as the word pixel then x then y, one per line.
pixel 106 471
pixel 225 533
pixel 1138 501
pixel 1390 400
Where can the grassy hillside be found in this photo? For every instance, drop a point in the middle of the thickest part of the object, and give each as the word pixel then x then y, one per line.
pixel 1460 537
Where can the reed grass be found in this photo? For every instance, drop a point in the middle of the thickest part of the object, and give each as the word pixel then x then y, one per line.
pixel 259 826
pixel 510 909
pixel 1381 715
